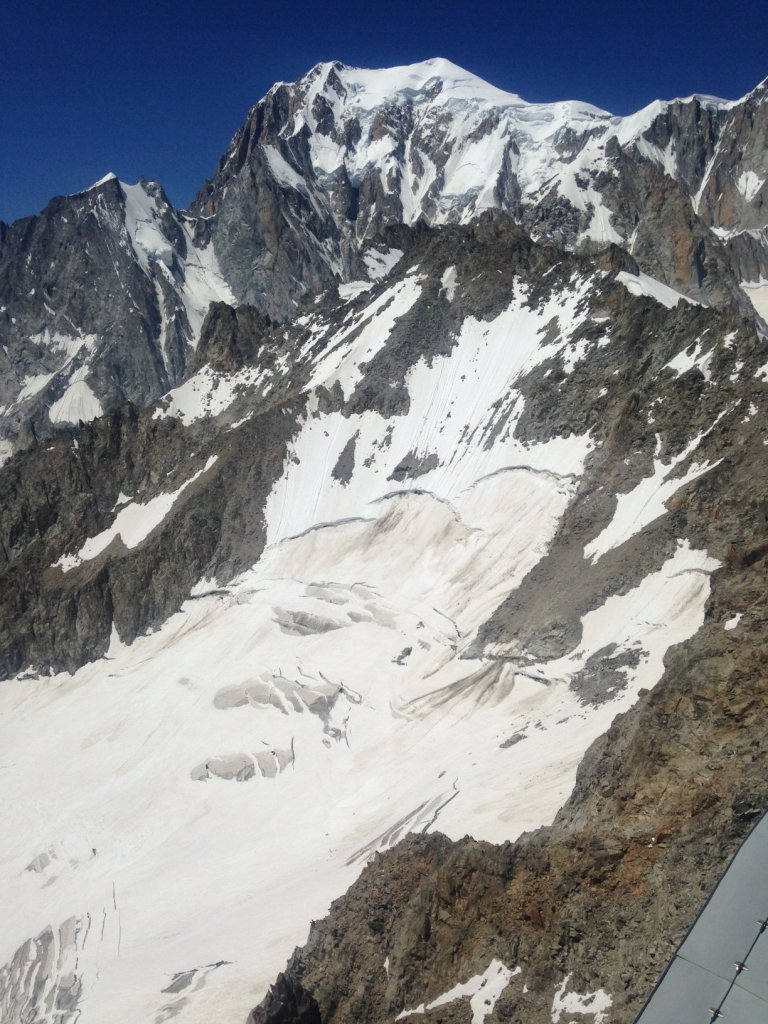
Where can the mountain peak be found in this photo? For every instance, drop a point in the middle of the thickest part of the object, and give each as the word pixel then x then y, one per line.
pixel 109 176
pixel 374 86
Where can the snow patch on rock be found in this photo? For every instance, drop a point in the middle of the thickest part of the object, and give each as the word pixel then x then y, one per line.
pixel 589 1004
pixel 642 284
pixel 482 991
pixel 132 524
pixel 639 507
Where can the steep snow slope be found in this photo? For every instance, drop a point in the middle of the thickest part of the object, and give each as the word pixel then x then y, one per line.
pixel 179 810
pixel 189 269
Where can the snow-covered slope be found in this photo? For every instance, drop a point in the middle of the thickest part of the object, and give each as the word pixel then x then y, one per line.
pixel 178 810
pixel 189 269
pixel 461 134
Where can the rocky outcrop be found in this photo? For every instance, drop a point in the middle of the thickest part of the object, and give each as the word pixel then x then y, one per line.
pixel 233 338
pixel 56 496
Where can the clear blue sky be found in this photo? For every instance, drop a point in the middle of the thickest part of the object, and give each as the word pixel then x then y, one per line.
pixel 157 89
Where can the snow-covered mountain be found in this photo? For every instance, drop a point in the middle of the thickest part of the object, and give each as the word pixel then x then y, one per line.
pixel 452 529
pixel 102 295
pixel 432 537
pixel 333 158
pixel 101 301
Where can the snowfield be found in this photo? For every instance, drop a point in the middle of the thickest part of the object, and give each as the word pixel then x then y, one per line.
pixel 177 812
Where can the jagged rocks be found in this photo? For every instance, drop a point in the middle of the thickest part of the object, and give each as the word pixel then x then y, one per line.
pixel 101 301
pixel 234 338
pixel 55 498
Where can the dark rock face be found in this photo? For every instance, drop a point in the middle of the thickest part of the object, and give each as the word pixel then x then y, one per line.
pixel 54 284
pixel 289 1003
pixel 101 300
pixel 233 338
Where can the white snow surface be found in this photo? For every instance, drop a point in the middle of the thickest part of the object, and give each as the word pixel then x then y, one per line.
pixel 757 293
pixel 109 176
pixel 205 393
pixel 143 221
pixel 449 282
pixel 749 185
pixel 590 1004
pixel 77 403
pixel 132 524
pixel 33 385
pixel 379 262
pixel 352 289
pixel 197 797
pixel 482 990
pixel 642 284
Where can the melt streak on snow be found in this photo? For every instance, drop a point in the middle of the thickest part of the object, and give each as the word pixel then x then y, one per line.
pixel 154 797
pixel 459 426
pixel 77 403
